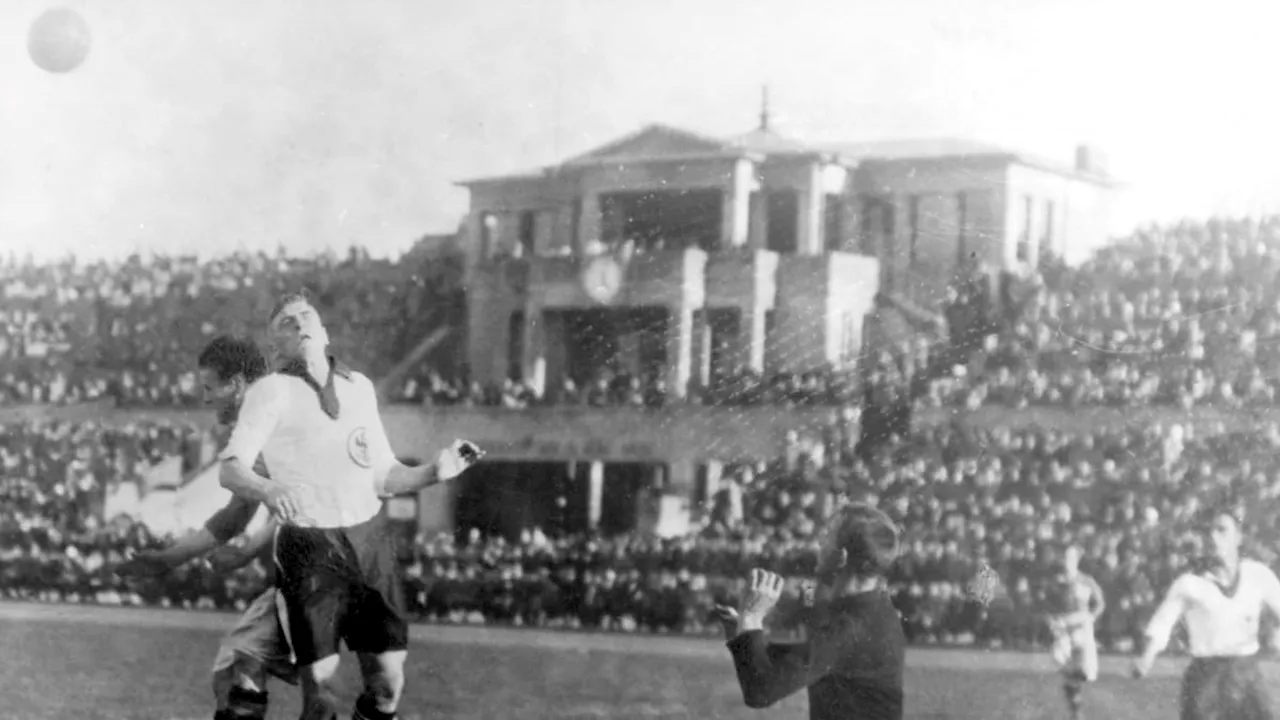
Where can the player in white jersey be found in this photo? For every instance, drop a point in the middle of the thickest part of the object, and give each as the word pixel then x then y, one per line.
pixel 316 424
pixel 1075 602
pixel 1221 606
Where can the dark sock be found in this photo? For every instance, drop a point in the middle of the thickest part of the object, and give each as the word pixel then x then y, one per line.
pixel 367 709
pixel 223 715
pixel 246 705
pixel 1072 690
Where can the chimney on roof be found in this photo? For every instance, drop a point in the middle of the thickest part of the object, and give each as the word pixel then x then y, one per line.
pixel 764 108
pixel 1090 160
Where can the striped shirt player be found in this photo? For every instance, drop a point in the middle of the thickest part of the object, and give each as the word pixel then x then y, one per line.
pixel 1221 607
pixel 259 635
pixel 316 423
pixel 1075 602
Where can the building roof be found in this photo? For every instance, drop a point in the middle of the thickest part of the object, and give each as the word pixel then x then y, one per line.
pixel 658 142
pixel 954 148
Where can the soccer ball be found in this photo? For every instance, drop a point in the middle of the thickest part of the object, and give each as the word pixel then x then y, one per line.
pixel 59 40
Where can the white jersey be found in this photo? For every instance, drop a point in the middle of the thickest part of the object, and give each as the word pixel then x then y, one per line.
pixel 1218 624
pixel 340 461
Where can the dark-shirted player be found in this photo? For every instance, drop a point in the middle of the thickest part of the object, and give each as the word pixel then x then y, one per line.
pixel 256 647
pixel 316 424
pixel 852 660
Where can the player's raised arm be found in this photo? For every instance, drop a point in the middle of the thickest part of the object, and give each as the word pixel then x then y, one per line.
pixel 1160 628
pixel 768 672
pixel 260 414
pixel 392 477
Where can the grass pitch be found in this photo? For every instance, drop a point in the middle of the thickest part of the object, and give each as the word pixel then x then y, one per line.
pixel 85 662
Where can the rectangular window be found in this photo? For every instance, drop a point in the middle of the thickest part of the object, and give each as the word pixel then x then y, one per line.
pixel 575 225
pixel 783 218
pixel 528 231
pixel 833 222
pixel 515 346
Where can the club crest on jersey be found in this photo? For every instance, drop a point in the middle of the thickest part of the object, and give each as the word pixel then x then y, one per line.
pixel 358 448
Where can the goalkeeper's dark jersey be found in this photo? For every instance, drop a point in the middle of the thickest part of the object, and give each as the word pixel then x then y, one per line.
pixel 852 662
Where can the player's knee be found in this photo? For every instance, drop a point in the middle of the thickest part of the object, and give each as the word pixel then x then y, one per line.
pixel 386 684
pixel 320 679
pixel 246 704
pixel 383 679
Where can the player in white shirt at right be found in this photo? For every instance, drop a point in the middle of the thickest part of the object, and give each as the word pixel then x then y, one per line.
pixel 1221 608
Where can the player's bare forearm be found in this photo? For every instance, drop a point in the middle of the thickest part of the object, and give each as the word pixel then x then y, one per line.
pixel 239 478
pixel 188 548
pixel 404 480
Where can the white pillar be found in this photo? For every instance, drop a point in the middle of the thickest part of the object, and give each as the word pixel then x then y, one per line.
pixel 736 217
pixel 809 215
pixel 679 349
pixel 533 355
pixel 595 493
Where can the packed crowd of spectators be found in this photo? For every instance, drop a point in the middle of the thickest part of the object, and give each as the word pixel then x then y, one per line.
pixel 964 497
pixel 1186 316
pixel 129 331
pixel 56 541
pixel 621 388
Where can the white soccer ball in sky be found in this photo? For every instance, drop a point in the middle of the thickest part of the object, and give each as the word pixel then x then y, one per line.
pixel 59 40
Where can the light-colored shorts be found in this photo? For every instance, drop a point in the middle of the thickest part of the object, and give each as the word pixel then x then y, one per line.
pixel 259 636
pixel 1075 648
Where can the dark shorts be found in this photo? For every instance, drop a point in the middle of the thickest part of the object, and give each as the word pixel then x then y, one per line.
pixel 1225 688
pixel 341 585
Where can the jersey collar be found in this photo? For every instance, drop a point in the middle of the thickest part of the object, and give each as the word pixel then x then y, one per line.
pixel 327 394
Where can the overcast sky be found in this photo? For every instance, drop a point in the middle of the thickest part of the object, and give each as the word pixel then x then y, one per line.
pixel 318 123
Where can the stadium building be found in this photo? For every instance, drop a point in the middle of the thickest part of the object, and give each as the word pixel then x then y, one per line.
pixel 676 259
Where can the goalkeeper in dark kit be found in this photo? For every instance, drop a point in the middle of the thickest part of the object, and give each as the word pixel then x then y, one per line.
pixel 852 658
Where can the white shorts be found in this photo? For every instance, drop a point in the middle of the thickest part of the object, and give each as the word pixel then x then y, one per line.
pixel 259 636
pixel 1075 648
